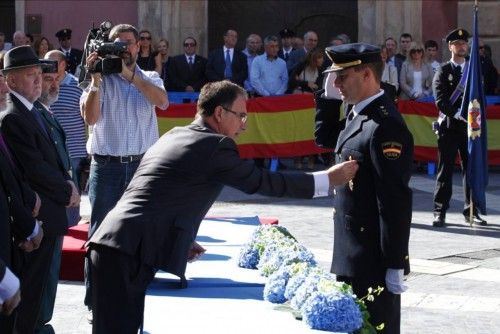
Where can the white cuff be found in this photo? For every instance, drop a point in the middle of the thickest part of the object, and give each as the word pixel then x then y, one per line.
pixel 8 286
pixel 35 231
pixel 321 183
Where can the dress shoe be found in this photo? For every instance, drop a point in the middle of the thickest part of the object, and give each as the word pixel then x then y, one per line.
pixel 475 220
pixel 439 220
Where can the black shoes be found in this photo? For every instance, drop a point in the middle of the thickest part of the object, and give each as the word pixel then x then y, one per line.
pixel 439 220
pixel 475 220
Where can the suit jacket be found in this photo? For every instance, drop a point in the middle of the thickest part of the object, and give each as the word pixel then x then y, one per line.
pixel 17 201
pixel 444 83
pixel 406 79
pixel 74 59
pixel 327 121
pixel 216 64
pixel 177 182
pixel 180 75
pixel 373 212
pixel 295 58
pixel 39 162
pixel 281 54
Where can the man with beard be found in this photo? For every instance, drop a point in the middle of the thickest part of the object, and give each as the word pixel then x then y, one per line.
pixel 120 110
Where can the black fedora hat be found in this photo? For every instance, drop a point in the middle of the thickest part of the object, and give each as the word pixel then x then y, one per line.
pixel 21 57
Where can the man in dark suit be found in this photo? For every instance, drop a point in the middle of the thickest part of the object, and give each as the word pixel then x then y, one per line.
pixel 447 86
pixel 25 133
pixel 155 223
pixel 186 72
pixel 18 228
pixel 373 211
pixel 73 56
pixel 286 36
pixel 298 56
pixel 227 62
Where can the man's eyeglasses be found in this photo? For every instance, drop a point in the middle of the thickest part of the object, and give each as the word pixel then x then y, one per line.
pixel 242 115
pixel 143 38
pixel 189 44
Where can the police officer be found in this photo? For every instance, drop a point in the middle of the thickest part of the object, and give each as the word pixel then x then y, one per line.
pixel 373 211
pixel 73 56
pixel 448 86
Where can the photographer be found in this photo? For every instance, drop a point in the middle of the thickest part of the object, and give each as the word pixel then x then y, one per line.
pixel 120 110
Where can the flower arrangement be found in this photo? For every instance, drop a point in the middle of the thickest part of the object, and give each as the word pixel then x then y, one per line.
pixel 294 278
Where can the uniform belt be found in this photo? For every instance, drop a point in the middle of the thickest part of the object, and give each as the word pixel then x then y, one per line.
pixel 123 159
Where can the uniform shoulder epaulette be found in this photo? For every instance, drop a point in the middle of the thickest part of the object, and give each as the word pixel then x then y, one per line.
pixel 382 111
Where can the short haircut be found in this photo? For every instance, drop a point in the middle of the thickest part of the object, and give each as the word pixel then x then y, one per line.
pixel 119 28
pixel 190 37
pixel 218 93
pixel 406 35
pixel 270 38
pixel 391 38
pixel 431 44
pixel 377 68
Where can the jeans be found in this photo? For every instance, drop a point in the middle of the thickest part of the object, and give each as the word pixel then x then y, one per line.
pixel 107 183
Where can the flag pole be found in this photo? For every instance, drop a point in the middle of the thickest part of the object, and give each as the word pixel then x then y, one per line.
pixel 471 207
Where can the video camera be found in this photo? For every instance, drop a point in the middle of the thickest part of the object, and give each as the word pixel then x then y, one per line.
pixel 109 52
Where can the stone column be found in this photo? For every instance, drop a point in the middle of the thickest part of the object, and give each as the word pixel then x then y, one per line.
pixel 20 9
pixel 175 20
pixel 378 20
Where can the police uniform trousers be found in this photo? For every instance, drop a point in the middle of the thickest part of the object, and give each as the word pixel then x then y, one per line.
pixel 119 282
pixel 386 308
pixel 450 141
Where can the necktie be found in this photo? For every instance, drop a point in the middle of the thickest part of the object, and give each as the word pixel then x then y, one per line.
pixel 350 116
pixel 228 72
pixel 285 55
pixel 38 117
pixel 190 63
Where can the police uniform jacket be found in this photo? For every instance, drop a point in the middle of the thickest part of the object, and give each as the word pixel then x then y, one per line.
pixel 444 83
pixel 176 183
pixel 373 212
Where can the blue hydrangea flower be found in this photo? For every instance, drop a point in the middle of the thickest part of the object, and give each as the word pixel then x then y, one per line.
pixel 310 285
pixel 249 257
pixel 333 311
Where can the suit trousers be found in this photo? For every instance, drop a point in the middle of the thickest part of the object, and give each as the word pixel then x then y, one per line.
pixel 386 308
pixel 449 143
pixel 34 275
pixel 119 282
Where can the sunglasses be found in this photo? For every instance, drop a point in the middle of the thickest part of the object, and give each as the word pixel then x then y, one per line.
pixel 189 44
pixel 481 47
pixel 144 38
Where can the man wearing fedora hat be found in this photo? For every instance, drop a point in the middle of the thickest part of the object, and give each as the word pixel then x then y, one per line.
pixel 448 86
pixel 27 135
pixel 373 211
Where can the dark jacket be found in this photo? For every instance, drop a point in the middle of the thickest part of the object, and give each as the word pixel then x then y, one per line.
pixel 373 212
pixel 39 163
pixel 181 75
pixel 216 65
pixel 178 180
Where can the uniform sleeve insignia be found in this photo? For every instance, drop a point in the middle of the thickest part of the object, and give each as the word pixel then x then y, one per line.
pixel 450 77
pixel 392 150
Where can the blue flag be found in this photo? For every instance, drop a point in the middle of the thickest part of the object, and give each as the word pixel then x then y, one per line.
pixel 473 109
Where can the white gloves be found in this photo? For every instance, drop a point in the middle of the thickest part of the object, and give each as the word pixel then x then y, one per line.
pixel 394 281
pixel 458 115
pixel 331 92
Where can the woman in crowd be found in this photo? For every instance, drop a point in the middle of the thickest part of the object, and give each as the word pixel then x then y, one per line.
pixel 42 46
pixel 146 58
pixel 307 77
pixel 162 60
pixel 389 82
pixel 416 75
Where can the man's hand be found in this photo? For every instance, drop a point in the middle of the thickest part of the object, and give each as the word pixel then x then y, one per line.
pixel 195 252
pixel 30 245
pixel 458 116
pixel 89 63
pixel 394 281
pixel 74 200
pixel 10 304
pixel 342 173
pixel 38 204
